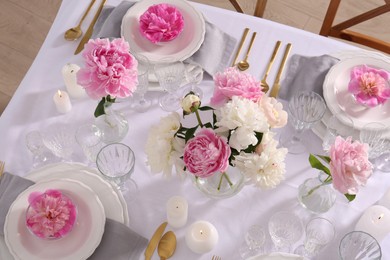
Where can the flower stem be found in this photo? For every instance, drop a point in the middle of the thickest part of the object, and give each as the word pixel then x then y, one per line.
pixel 227 178
pixel 198 118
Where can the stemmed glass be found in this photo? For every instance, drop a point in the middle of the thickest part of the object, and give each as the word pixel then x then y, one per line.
pixel 319 232
pixel 41 154
pixel 254 242
pixel 359 245
pixel 305 109
pixel 89 137
pixel 116 162
pixel 142 104
pixel 170 75
pixel 285 229
pixel 60 139
pixel 194 75
pixel 336 128
pixel 373 134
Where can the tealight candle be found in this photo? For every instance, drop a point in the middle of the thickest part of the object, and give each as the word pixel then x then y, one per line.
pixel 385 200
pixel 69 72
pixel 375 221
pixel 201 237
pixel 177 211
pixel 62 102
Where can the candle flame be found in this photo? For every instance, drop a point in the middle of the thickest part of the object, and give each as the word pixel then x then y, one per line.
pixel 59 93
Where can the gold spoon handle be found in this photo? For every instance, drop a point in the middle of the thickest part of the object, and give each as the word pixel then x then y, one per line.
pixel 86 12
pixel 271 61
pixel 245 33
pixel 250 45
pixel 283 63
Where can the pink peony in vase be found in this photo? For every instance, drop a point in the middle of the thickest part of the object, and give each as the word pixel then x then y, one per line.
pixel 369 86
pixel 161 23
pixel 50 215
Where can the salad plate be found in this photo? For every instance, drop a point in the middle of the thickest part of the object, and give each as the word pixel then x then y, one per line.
pixel 80 243
pixel 180 48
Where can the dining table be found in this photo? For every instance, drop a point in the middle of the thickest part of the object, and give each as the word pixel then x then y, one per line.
pixel 32 108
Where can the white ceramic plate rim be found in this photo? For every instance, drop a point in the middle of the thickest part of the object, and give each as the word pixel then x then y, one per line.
pixel 277 256
pixel 332 87
pixel 79 192
pixel 188 11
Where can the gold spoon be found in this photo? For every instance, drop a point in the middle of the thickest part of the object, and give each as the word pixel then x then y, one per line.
pixel 244 64
pixel 167 245
pixel 74 33
pixel 263 82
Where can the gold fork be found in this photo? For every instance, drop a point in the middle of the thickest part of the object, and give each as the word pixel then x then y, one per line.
pixel 215 257
pixel 263 82
pixel 2 164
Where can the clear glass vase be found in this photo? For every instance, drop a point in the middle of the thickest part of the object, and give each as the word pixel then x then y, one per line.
pixel 221 185
pixel 316 195
pixel 112 124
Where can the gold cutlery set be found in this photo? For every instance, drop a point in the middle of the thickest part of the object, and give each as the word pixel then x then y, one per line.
pixel 2 164
pixel 244 64
pixel 165 244
pixel 74 33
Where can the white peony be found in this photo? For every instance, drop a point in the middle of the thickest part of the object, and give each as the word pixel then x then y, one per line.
pixel 241 138
pixel 273 110
pixel 190 102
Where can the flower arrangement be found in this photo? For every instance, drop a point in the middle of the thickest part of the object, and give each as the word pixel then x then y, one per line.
pixel 51 214
pixel 161 23
pixel 370 86
pixel 349 167
pixel 238 134
pixel 110 71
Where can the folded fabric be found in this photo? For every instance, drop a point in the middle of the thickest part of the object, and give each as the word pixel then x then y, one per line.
pixel 118 241
pixel 214 54
pixel 305 74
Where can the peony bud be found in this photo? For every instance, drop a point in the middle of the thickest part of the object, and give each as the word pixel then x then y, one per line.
pixel 190 103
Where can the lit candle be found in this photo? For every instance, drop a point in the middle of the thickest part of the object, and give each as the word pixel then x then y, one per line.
pixel 177 211
pixel 62 102
pixel 375 221
pixel 385 200
pixel 201 237
pixel 69 72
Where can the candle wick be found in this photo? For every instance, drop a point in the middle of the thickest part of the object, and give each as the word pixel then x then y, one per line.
pixel 71 71
pixel 201 232
pixel 177 207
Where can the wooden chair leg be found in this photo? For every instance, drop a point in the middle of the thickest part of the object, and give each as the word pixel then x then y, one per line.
pixel 329 17
pixel 236 6
pixel 260 7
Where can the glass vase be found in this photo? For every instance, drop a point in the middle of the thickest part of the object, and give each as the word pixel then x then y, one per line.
pixel 113 125
pixel 221 185
pixel 316 195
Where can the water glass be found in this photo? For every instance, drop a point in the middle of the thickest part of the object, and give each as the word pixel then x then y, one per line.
pixel 194 75
pixel 116 163
pixel 374 135
pixel 359 245
pixel 335 128
pixel 142 104
pixel 41 154
pixel 60 139
pixel 285 229
pixel 254 242
pixel 89 137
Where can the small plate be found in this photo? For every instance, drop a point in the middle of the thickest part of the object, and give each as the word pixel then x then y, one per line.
pixel 80 243
pixel 186 44
pixel 340 102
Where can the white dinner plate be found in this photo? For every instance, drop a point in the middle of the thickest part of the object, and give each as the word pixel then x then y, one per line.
pixel 80 243
pixel 182 47
pixel 340 102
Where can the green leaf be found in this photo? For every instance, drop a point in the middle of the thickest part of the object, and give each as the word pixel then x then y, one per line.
pixel 205 108
pixel 190 133
pixel 316 164
pixel 252 148
pixel 100 108
pixel 325 158
pixel 350 197
pixel 214 119
pixel 208 125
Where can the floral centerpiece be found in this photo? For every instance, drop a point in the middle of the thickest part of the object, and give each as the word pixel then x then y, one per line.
pixel 369 86
pixel 237 135
pixel 51 214
pixel 161 23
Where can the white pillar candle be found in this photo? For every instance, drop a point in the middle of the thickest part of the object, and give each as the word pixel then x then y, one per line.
pixel 375 221
pixel 69 72
pixel 177 211
pixel 385 200
pixel 201 237
pixel 62 102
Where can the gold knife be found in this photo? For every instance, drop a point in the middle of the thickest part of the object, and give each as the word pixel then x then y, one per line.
pixel 154 241
pixel 89 31
pixel 245 33
pixel 275 88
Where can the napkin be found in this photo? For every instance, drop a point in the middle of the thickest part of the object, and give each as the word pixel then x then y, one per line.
pixel 214 54
pixel 118 241
pixel 305 74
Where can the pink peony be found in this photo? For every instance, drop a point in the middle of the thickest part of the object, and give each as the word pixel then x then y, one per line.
pixel 161 23
pixel 274 112
pixel 370 86
pixel 231 83
pixel 110 69
pixel 206 153
pixel 50 214
pixel 349 165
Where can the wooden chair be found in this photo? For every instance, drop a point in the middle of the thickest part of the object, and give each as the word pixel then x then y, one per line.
pixel 340 30
pixel 259 9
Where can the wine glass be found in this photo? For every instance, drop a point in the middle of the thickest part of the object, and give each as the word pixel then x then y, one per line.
pixel 194 75
pixel 254 242
pixel 285 229
pixel 373 134
pixel 169 75
pixel 319 232
pixel 383 161
pixel 305 109
pixel 142 104
pixel 115 162
pixel 359 245
pixel 89 137
pixel 334 128
pixel 41 154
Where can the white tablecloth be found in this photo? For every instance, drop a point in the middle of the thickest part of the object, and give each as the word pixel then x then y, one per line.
pixel 32 108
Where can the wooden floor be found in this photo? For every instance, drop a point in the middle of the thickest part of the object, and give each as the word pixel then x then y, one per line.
pixel 24 25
